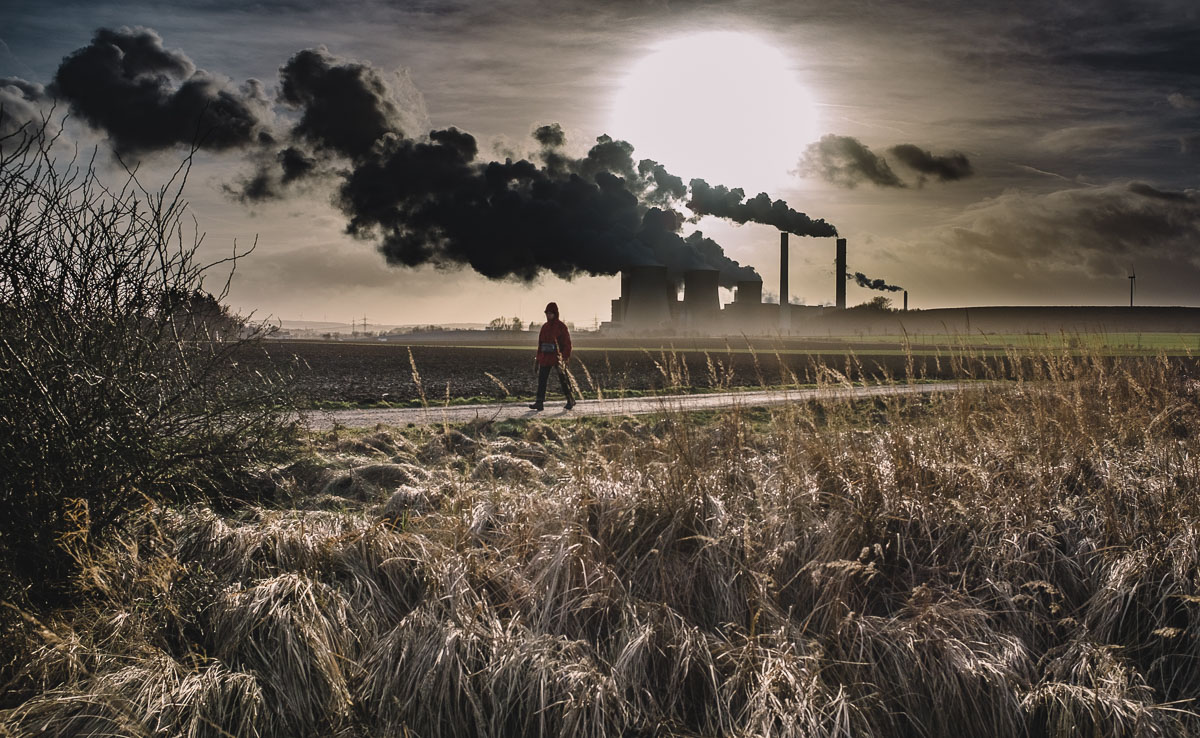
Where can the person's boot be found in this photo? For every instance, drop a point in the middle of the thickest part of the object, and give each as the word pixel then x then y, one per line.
pixel 570 403
pixel 536 406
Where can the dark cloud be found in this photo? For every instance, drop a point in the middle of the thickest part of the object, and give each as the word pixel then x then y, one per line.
pixel 1145 190
pixel 20 105
pixel 863 280
pixel 847 162
pixel 949 168
pixel 663 187
pixel 432 202
pixel 1095 231
pixel 296 164
pixel 424 199
pixel 723 202
pixel 1145 45
pixel 607 155
pixel 346 107
pixel 1180 101
pixel 551 136
pixel 146 98
pixel 274 174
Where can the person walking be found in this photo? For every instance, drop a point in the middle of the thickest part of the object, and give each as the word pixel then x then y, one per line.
pixel 553 352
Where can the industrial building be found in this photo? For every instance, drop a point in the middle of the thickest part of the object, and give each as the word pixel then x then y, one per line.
pixel 650 303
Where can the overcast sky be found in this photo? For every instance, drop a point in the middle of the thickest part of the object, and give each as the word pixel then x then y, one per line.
pixel 1030 153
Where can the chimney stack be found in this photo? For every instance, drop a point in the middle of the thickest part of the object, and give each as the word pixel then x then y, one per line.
pixel 840 274
pixel 783 280
pixel 906 301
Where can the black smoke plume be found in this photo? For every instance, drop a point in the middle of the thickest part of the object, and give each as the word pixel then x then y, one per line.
pixel 550 136
pixel 949 168
pixel 847 162
pixel 147 98
pixel 425 199
pixel 346 107
pixel 732 204
pixel 873 284
pixel 432 202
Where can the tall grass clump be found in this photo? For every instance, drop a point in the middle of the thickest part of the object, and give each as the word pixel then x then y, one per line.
pixel 120 379
pixel 1018 558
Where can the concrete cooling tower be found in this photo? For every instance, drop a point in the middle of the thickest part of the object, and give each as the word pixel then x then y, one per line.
pixel 748 293
pixel 646 295
pixel 701 304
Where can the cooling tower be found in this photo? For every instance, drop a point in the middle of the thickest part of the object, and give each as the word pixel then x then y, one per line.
pixel 646 295
pixel 748 293
pixel 618 311
pixel 839 274
pixel 701 304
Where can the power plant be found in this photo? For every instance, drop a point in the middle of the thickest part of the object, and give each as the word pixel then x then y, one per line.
pixel 650 302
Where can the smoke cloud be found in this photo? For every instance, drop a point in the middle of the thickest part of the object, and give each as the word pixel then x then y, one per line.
pixel 847 162
pixel 550 136
pixel 949 168
pixel 146 98
pixel 873 284
pixel 432 202
pixel 423 199
pixel 723 202
pixel 346 107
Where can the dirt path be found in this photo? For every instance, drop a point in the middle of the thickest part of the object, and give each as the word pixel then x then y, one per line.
pixel 455 414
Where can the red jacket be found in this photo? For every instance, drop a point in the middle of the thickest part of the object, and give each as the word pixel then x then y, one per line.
pixel 554 341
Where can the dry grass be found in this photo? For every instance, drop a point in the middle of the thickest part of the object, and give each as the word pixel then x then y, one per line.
pixel 1014 561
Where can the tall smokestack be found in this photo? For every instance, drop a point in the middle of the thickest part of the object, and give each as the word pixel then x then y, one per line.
pixel 840 274
pixel 906 301
pixel 783 280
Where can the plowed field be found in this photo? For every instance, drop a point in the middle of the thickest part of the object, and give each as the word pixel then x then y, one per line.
pixel 365 373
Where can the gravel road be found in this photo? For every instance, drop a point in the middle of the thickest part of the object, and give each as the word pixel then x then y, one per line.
pixel 456 414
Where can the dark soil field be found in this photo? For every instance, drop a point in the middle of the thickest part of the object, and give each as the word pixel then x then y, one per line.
pixel 367 373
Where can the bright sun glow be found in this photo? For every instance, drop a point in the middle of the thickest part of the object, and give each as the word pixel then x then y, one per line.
pixel 724 106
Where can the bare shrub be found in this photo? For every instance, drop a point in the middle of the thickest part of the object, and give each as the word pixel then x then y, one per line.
pixel 117 380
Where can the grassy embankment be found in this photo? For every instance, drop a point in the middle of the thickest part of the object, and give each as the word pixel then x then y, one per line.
pixel 1007 562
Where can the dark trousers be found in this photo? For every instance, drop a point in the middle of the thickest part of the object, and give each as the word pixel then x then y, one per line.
pixel 544 374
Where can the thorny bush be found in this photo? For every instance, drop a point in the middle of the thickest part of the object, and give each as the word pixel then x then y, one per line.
pixel 117 382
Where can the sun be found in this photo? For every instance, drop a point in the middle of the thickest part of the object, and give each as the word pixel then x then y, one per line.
pixel 724 106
